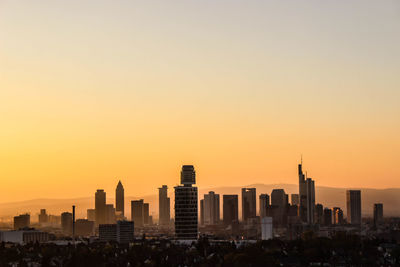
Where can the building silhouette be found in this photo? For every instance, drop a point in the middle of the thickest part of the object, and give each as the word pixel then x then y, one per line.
pixel 319 214
pixel 22 221
pixel 121 232
pixel 306 196
pixel 146 213
pixel 201 211
pixel 120 199
pixel 327 217
pixel 211 208
pixel 186 197
pixel 248 203
pixel 110 213
pixel 264 204
pixel 337 214
pixel 100 206
pixel 43 216
pixel 353 203
pixel 164 206
pixel 84 227
pixel 294 199
pixel 279 205
pixel 310 191
pixel 66 223
pixel 91 215
pixel 137 212
pixel 230 209
pixel 378 214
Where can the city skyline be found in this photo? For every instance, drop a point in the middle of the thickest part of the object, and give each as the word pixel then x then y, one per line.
pixel 103 91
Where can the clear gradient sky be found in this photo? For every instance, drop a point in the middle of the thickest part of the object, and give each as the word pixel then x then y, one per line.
pixel 96 91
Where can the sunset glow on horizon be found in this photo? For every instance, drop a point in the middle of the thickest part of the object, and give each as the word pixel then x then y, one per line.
pixel 132 91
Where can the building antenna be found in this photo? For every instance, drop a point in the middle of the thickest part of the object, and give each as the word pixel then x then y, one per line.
pixel 301 159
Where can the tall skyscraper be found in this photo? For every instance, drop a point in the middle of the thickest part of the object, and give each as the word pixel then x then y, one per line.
pixel 211 208
pixel 164 206
pixel 137 212
pixel 353 201
pixel 249 203
pixel 230 209
pixel 201 211
pixel 186 214
pixel 264 204
pixel 100 206
pixel 110 214
pixel 279 204
pixel 327 217
pixel 66 223
pixel 319 214
pixel 120 199
pixel 378 214
pixel 306 196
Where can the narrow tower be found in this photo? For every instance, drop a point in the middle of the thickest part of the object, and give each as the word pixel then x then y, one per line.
pixel 120 199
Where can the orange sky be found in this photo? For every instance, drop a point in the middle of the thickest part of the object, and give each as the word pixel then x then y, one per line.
pixel 95 92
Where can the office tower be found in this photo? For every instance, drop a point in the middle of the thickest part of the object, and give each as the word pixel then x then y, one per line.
pixel 100 206
pixel 91 215
pixel 310 200
pixel 22 221
pixel 264 203
pixel 211 208
pixel 278 198
pixel 279 206
pixel 121 232
pixel 327 217
pixel 319 214
pixel 125 232
pixel 84 227
pixel 66 223
pixel 146 213
pixel 120 199
pixel 110 214
pixel 306 196
pixel 137 212
pixel 230 209
pixel 248 203
pixel 43 217
pixel 353 201
pixel 378 214
pixel 295 199
pixel 186 214
pixel 337 214
pixel 164 206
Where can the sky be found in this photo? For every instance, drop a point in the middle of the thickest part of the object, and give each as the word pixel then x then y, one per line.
pixel 96 91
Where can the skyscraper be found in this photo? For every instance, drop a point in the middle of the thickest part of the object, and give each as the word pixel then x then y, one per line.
pixel 22 221
pixel 186 214
pixel 146 213
pixel 327 217
pixel 306 196
pixel 378 214
pixel 66 223
pixel 295 199
pixel 163 205
pixel 230 209
pixel 43 217
pixel 137 212
pixel 91 215
pixel 264 203
pixel 100 206
pixel 211 208
pixel 120 199
pixel 279 204
pixel 110 214
pixel 249 203
pixel 353 201
pixel 337 214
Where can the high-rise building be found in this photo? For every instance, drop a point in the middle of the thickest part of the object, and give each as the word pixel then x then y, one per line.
pixel 230 209
pixel 91 215
pixel 378 214
pixel 295 199
pixel 66 223
pixel 22 221
pixel 319 214
pixel 306 196
pixel 186 214
pixel 264 204
pixel 279 202
pixel 84 227
pixel 100 206
pixel 164 206
pixel 249 203
pixel 353 201
pixel 137 212
pixel 110 214
pixel 146 213
pixel 211 208
pixel 201 211
pixel 120 199
pixel 43 217
pixel 327 217
pixel 121 232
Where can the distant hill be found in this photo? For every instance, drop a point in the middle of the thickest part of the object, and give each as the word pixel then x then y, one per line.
pixel 328 196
